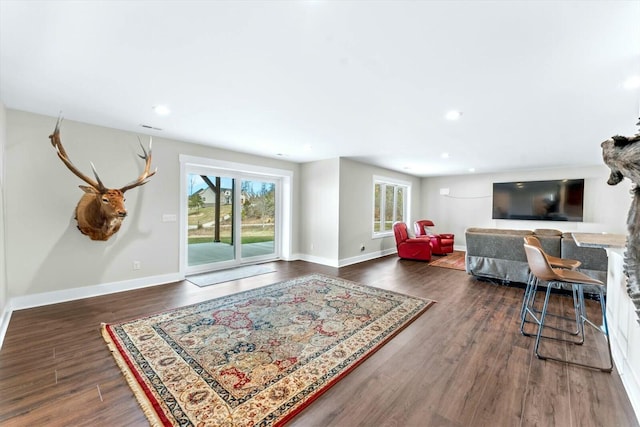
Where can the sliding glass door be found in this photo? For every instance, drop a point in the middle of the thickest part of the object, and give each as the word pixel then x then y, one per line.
pixel 231 219
pixel 210 217
pixel 258 219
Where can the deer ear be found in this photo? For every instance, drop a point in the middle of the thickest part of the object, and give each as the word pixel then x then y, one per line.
pixel 621 141
pixel 88 189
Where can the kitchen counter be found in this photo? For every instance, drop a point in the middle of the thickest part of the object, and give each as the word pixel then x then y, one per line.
pixel 600 240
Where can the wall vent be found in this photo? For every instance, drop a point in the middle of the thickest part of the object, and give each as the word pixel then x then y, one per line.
pixel 150 127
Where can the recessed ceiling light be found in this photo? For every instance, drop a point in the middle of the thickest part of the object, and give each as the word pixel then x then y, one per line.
pixel 162 110
pixel 444 155
pixel 632 82
pixel 453 115
pixel 472 169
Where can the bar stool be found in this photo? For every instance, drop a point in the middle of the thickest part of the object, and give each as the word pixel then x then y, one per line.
pixel 532 285
pixel 556 277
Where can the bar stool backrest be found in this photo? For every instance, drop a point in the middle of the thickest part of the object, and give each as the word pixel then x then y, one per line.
pixel 538 263
pixel 533 241
pixel 554 261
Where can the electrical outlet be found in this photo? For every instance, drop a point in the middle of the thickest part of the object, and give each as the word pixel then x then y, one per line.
pixel 136 265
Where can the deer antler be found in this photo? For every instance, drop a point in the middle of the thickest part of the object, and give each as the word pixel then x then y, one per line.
pixel 144 177
pixel 57 143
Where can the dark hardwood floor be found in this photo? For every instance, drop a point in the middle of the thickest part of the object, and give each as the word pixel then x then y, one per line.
pixel 462 363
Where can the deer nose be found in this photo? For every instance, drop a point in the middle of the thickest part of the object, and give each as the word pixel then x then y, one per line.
pixel 122 213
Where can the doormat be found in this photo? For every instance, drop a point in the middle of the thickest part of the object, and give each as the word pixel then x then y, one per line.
pixel 257 357
pixel 207 279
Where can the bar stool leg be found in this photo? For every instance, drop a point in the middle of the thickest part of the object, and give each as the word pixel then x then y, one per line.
pixel 543 315
pixel 528 308
pixel 525 298
pixel 579 289
pixel 605 326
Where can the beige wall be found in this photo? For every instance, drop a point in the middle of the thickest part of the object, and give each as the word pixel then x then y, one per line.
pixel 356 208
pixel 319 207
pixel 469 201
pixel 45 252
pixel 332 205
pixel 336 203
pixel 3 270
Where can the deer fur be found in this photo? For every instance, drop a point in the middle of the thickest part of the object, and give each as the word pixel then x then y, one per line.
pixel 99 215
pixel 622 155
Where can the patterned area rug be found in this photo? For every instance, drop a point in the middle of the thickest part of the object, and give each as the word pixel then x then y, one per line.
pixel 257 357
pixel 454 260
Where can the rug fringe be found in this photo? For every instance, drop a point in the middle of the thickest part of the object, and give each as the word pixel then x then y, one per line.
pixel 138 392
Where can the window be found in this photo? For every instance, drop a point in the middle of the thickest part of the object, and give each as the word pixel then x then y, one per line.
pixel 390 204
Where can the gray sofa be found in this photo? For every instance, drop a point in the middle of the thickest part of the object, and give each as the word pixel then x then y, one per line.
pixel 499 253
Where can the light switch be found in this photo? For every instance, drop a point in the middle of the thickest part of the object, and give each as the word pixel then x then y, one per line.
pixel 169 218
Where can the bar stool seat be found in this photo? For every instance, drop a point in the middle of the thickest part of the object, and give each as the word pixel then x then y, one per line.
pixel 532 285
pixel 556 277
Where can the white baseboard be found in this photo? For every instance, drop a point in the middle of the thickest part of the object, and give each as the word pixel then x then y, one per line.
pixel 346 261
pixel 319 260
pixel 55 297
pixel 4 321
pixel 630 375
pixel 291 257
pixel 631 384
pixel 366 257
pixel 64 295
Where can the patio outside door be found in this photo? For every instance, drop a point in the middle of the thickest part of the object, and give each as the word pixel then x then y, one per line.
pixel 258 219
pixel 231 220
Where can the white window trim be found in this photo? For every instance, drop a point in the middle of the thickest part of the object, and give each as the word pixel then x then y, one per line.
pixel 379 179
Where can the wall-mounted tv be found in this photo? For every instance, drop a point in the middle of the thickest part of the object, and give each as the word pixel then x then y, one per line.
pixel 558 200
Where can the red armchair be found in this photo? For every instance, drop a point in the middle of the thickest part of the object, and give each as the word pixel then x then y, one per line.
pixel 441 244
pixel 409 248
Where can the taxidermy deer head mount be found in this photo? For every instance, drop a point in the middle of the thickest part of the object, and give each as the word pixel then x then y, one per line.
pixel 622 155
pixel 101 210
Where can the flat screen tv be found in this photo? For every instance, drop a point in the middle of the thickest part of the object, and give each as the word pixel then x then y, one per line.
pixel 558 200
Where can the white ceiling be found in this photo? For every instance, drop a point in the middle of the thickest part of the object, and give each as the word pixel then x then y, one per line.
pixel 540 83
